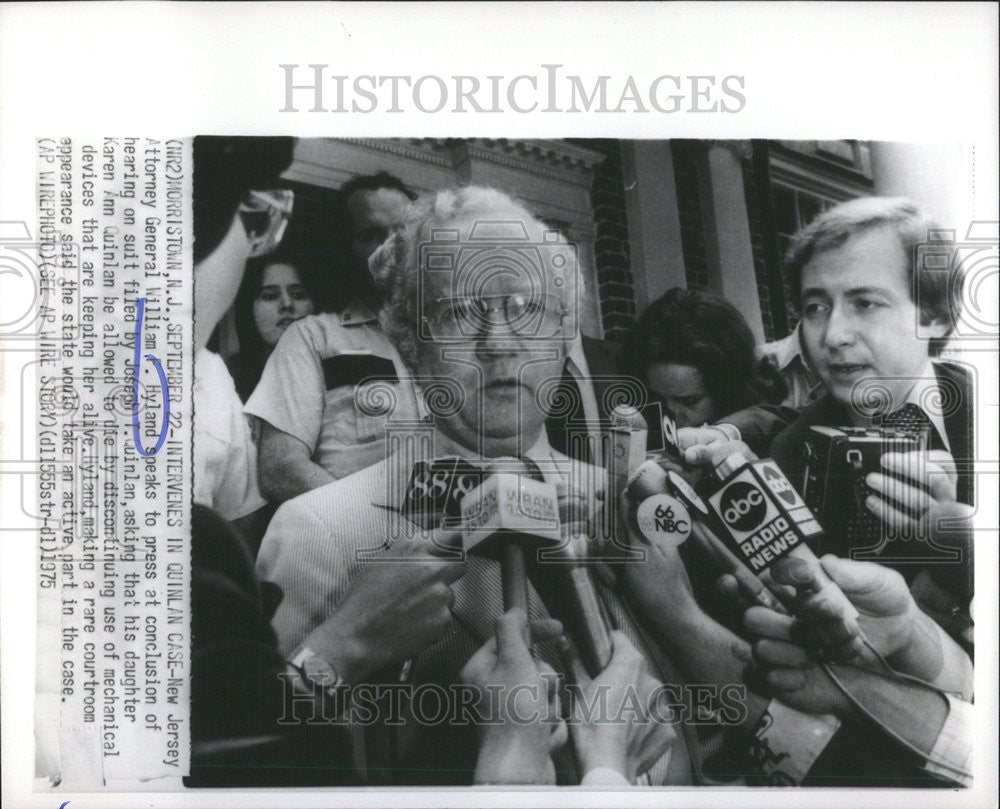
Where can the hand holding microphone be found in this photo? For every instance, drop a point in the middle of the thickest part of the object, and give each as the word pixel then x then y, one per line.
pixel 657 522
pixel 892 622
pixel 392 611
pixel 618 737
pixel 516 748
pixel 768 521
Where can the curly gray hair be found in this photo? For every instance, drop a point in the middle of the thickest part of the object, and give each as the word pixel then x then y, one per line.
pixel 395 265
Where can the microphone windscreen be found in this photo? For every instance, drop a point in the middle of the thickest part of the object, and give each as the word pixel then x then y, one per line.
pixel 574 511
pixel 510 499
pixel 626 417
pixel 436 489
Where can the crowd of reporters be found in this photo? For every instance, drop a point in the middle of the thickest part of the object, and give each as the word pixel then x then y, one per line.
pixel 332 590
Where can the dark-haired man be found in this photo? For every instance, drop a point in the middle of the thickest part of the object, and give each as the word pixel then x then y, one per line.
pixel 375 203
pixel 334 379
pixel 875 317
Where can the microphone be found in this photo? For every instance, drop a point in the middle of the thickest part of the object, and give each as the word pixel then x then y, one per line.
pixel 436 489
pixel 653 489
pixel 662 431
pixel 509 511
pixel 767 520
pixel 568 590
pixel 627 435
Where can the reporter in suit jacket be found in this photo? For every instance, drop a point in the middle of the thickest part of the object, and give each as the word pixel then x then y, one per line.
pixel 874 319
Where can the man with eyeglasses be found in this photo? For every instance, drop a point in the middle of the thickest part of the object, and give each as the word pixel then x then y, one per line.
pixel 482 300
pixel 480 303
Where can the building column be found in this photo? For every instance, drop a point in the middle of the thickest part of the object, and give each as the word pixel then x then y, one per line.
pixel 727 230
pixel 934 175
pixel 653 221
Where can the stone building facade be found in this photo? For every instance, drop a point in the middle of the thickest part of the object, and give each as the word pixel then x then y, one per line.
pixel 645 215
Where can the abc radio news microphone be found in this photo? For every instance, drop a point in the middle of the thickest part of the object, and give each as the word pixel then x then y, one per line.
pixel 753 519
pixel 767 520
pixel 663 504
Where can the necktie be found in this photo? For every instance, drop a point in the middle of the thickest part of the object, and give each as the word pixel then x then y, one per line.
pixel 532 469
pixel 912 419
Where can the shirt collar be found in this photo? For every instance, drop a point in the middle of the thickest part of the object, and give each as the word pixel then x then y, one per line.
pixel 926 394
pixel 356 313
pixel 787 350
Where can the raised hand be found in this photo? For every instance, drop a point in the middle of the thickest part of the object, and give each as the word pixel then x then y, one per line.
pixel 518 698
pixel 607 732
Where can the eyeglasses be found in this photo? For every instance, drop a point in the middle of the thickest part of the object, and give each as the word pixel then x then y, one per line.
pixel 265 216
pixel 526 314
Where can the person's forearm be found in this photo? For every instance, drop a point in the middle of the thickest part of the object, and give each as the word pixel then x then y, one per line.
pixel 910 711
pixel 283 480
pixel 707 652
pixel 511 758
pixel 933 656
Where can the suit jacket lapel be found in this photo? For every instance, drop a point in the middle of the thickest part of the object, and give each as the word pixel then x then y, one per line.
pixel 958 403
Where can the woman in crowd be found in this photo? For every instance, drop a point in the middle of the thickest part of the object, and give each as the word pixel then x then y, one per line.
pixel 695 352
pixel 273 295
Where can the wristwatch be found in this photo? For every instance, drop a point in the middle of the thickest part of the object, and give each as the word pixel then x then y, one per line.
pixel 316 672
pixel 730 431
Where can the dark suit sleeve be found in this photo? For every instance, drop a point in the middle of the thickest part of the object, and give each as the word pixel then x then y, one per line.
pixel 238 694
pixel 760 424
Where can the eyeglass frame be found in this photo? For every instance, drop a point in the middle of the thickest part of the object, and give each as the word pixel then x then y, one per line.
pixel 472 329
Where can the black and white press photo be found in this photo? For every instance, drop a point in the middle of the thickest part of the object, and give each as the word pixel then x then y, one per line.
pixel 472 404
pixel 578 461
